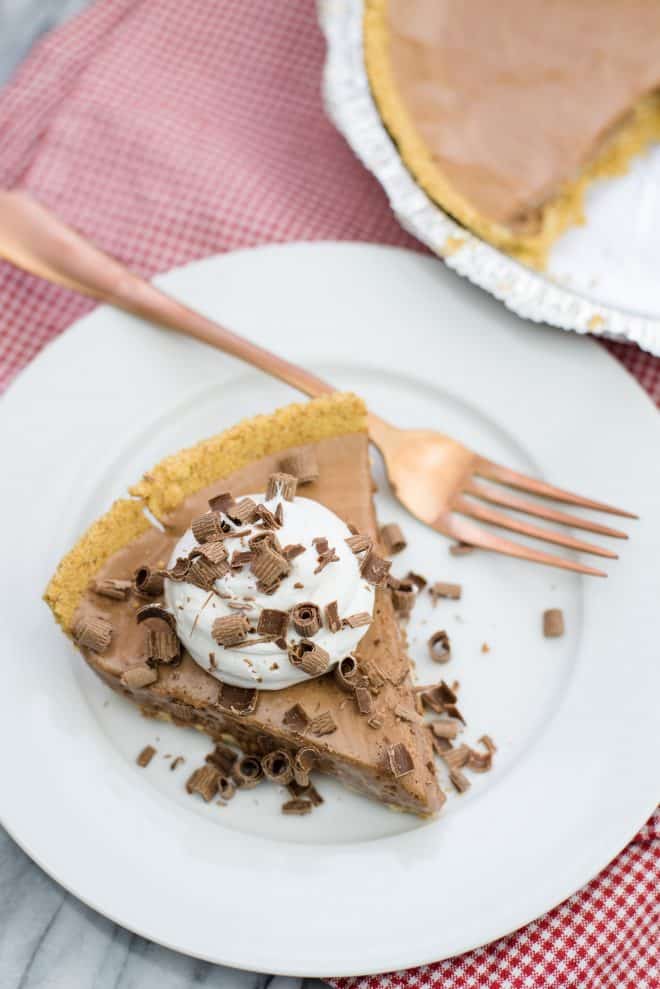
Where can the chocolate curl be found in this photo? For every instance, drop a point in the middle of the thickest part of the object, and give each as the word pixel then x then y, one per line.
pixel 297 807
pixel 553 623
pixel 263 539
pixel 357 620
pixel 226 787
pixel 439 647
pixel 283 485
pixel 296 719
pixel 138 677
pixel 305 761
pixel 242 512
pixel 306 619
pixel 180 569
pixel 162 644
pixel 273 622
pixel 207 527
pixel 204 781
pixel 445 729
pixel 148 583
pixel 302 465
pixel 326 557
pixel 108 587
pixel 204 574
pixel 291 551
pixel 238 700
pixel 269 566
pixel 374 569
pixel 278 767
pixel 269 519
pixel 221 502
pixel 392 538
pixel 230 630
pixel 215 552
pixel 347 674
pixel 248 772
pixel 332 619
pixel 459 779
pixel 94 632
pixel 145 756
pixel 443 590
pixel 403 595
pixel 358 543
pixel 223 758
pixel 309 657
pixel 155 611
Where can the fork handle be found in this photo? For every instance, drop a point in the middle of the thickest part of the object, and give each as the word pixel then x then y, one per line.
pixel 34 239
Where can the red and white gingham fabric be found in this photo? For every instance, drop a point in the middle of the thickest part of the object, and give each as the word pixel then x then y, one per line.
pixel 171 130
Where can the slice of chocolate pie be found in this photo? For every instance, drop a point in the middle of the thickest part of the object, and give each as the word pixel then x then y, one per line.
pixel 260 612
pixel 505 111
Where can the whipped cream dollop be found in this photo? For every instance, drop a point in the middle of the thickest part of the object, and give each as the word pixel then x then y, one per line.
pixel 265 665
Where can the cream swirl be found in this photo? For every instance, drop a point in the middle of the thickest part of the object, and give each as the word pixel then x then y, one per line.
pixel 265 665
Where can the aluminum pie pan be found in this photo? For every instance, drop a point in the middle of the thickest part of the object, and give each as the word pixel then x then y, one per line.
pixel 529 294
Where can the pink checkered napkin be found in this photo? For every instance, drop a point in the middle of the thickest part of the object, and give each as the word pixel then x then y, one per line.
pixel 169 131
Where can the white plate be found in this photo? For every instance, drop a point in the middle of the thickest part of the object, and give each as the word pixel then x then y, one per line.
pixel 354 888
pixel 601 277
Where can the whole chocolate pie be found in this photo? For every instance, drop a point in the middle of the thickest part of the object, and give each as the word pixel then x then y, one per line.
pixel 263 610
pixel 505 111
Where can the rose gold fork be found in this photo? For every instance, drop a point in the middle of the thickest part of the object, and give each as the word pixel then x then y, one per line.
pixel 438 480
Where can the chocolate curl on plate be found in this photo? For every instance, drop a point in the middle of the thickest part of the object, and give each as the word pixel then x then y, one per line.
pixel 93 632
pixel 306 619
pixel 305 761
pixel 332 619
pixel 148 583
pixel 392 538
pixel 223 758
pixel 309 657
pixel 297 807
pixel 441 589
pixel 374 568
pixel 108 587
pixel 291 551
pixel 283 485
pixel 226 787
pixel 204 781
pixel 215 552
pixel 347 673
pixel 230 630
pixel 138 677
pixel 439 647
pixel 248 772
pixel 553 623
pixel 302 464
pixel 278 767
pixel 207 527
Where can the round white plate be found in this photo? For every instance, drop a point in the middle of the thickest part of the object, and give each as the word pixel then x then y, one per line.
pixel 601 277
pixel 354 888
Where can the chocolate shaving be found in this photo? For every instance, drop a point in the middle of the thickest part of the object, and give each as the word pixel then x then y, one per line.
pixel 399 759
pixel 359 543
pixel 357 620
pixel 392 538
pixel 291 551
pixel 347 673
pixel 269 566
pixel 240 557
pixel 213 663
pixel 238 700
pixel 267 518
pixel 176 762
pixel 401 711
pixel 331 615
pixel 302 465
pixel 320 544
pixel 440 647
pixel 459 779
pixel 488 744
pixel 363 700
pixel 461 549
pixel 204 781
pixel 223 758
pixel 248 772
pixel 445 728
pixel 221 502
pixel 180 569
pixel 282 485
pixel 243 512
pixel 279 514
pixel 278 767
pixel 273 622
pixel 230 630
pixel 296 719
pixel 148 583
pixel 307 791
pixel 94 632
pixel 328 556
pixel 162 644
pixel 553 623
pixel 323 724
pixel 480 762
pixel 243 606
pixel 457 758
pixel 403 595
pixel 246 643
pixel 374 569
pixel 441 745
pixel 263 539
pixel 444 590
pixel 145 756
pixel 306 619
pixel 138 677
pixel 416 579
pixel 207 527
pixel 108 587
pixel 297 807
pixel 226 787
pixel 309 657
pixel 375 722
pixel 306 759
pixel 204 574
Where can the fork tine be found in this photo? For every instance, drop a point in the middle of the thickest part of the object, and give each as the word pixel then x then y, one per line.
pixel 495 472
pixel 467 532
pixel 490 515
pixel 504 498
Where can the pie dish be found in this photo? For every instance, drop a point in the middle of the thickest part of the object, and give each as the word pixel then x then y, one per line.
pixel 376 742
pixel 506 131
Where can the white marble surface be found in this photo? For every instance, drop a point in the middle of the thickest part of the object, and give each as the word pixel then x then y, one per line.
pixel 48 939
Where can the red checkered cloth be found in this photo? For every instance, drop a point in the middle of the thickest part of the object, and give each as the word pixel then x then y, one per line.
pixel 169 131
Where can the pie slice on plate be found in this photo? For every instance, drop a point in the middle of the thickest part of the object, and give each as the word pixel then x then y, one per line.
pixel 505 112
pixel 267 620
